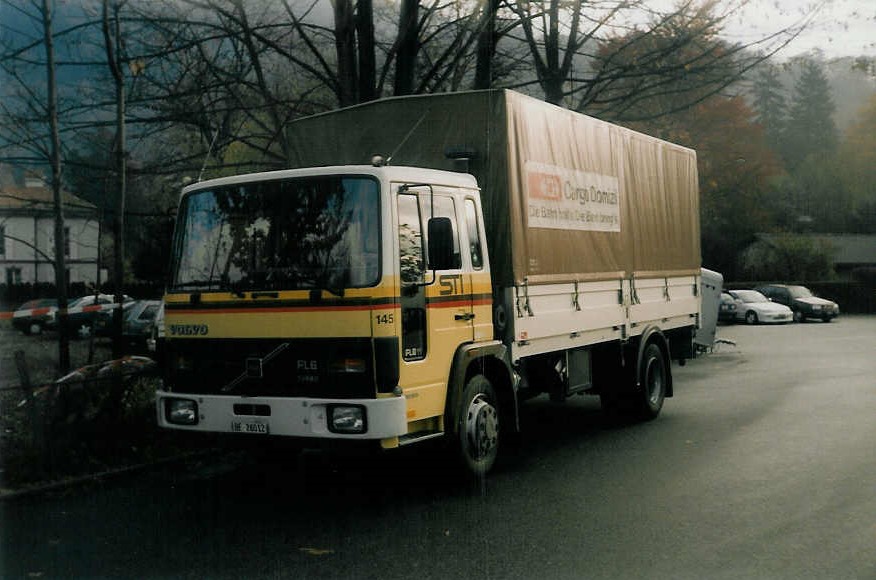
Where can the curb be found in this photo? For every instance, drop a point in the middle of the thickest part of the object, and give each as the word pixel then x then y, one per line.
pixel 35 489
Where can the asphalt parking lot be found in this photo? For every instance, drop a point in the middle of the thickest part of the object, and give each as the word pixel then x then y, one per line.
pixel 761 466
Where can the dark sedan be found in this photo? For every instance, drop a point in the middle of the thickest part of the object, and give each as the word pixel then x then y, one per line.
pixel 83 312
pixel 727 308
pixel 801 301
pixel 137 321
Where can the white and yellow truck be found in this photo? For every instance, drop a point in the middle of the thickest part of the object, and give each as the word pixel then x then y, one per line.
pixel 496 248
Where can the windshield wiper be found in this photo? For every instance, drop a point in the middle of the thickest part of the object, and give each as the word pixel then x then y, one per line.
pixel 236 288
pixel 221 285
pixel 339 292
pixel 195 284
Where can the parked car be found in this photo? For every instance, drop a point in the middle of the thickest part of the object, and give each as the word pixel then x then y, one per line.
pixel 727 308
pixel 801 301
pixel 34 322
pixel 81 324
pixel 155 342
pixel 753 307
pixel 137 321
pixel 103 320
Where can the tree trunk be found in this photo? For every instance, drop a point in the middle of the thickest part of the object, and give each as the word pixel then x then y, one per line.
pixel 408 46
pixel 112 42
pixel 486 47
pixel 345 49
pixel 367 60
pixel 55 162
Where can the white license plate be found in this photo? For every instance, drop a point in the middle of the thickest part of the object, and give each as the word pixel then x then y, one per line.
pixel 250 427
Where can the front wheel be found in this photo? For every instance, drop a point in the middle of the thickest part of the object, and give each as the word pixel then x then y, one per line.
pixel 83 330
pixel 478 426
pixel 798 316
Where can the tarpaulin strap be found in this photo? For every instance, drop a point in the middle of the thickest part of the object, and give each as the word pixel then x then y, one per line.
pixel 523 302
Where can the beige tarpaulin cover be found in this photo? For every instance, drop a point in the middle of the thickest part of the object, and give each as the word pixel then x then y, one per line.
pixel 565 196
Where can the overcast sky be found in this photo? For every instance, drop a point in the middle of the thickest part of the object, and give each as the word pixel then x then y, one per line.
pixel 840 28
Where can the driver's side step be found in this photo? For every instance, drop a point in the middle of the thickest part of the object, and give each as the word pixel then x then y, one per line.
pixel 419 436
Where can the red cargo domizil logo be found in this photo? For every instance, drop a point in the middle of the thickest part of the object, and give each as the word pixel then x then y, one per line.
pixel 545 186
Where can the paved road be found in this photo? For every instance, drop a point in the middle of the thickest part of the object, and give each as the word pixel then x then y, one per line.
pixel 762 466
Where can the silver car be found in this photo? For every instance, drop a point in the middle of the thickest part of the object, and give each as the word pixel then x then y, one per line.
pixel 753 308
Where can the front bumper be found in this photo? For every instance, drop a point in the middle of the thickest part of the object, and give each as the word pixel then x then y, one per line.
pixel 823 313
pixel 286 416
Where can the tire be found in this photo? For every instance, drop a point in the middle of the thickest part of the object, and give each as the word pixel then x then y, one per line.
pixel 653 379
pixel 798 316
pixel 751 317
pixel 478 429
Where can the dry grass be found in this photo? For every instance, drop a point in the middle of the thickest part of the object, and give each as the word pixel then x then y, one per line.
pixel 83 428
pixel 41 355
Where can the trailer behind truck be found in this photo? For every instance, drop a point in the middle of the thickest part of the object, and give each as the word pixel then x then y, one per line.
pixel 427 265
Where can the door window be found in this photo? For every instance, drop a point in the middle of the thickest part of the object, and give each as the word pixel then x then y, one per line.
pixel 412 278
pixel 474 238
pixel 444 207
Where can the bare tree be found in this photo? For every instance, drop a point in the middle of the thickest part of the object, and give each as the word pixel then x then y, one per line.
pixel 55 164
pixel 112 36
pixel 597 56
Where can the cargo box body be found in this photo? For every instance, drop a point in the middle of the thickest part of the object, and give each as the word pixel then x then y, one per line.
pixel 592 229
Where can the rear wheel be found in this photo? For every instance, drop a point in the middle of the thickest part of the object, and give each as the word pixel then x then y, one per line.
pixel 640 391
pixel 653 378
pixel 751 317
pixel 478 426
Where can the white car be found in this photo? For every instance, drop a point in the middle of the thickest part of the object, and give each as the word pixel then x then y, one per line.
pixel 753 307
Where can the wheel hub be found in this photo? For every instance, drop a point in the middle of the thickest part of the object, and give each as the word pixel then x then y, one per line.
pixel 482 427
pixel 654 382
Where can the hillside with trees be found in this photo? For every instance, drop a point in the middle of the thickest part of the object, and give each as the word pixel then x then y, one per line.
pixel 149 95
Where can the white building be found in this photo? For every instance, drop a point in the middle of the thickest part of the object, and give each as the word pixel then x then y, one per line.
pixel 27 235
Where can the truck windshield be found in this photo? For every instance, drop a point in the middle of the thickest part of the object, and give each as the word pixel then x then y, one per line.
pixel 306 233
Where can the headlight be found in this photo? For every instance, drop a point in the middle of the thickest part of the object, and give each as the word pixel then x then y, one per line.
pixel 346 419
pixel 181 411
pixel 816 307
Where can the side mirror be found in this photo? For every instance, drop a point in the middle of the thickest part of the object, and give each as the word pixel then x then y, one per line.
pixel 441 254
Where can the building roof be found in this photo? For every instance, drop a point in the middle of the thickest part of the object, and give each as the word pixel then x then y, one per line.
pixel 849 249
pixel 39 199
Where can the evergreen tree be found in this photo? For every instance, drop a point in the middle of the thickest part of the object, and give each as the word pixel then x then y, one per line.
pixel 811 132
pixel 770 104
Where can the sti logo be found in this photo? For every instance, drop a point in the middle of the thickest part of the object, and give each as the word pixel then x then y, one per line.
pixel 545 186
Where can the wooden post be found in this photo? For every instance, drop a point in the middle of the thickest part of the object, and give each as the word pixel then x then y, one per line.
pixel 36 426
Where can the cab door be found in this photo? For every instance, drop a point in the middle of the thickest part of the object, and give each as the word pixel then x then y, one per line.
pixel 436 304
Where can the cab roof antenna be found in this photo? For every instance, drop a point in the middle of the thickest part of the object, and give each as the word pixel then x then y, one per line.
pixel 408 136
pixel 207 155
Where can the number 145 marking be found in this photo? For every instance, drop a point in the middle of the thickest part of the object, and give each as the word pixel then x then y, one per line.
pixel 385 318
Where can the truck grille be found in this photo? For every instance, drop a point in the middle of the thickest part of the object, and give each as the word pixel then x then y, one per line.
pixel 336 368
